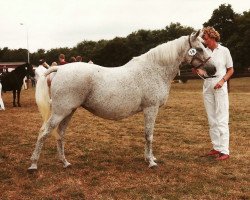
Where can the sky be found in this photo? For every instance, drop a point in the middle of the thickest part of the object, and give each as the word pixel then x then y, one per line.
pixel 48 24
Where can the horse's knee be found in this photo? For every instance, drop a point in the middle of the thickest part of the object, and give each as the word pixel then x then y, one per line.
pixel 149 137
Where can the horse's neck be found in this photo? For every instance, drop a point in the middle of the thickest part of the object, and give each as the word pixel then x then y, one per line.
pixel 169 54
pixel 167 57
pixel 20 73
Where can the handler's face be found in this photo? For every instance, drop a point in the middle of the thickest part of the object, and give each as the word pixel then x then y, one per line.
pixel 208 41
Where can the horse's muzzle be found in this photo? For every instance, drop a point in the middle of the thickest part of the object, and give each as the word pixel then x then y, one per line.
pixel 210 69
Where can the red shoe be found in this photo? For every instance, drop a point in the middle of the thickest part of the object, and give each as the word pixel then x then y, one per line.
pixel 212 153
pixel 222 156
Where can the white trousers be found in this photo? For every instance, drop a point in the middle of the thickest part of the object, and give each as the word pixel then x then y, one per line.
pixel 1 100
pixel 217 106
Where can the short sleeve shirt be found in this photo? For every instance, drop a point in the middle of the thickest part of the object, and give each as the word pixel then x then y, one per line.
pixel 222 59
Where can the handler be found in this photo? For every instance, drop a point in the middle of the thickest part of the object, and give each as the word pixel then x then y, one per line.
pixel 215 94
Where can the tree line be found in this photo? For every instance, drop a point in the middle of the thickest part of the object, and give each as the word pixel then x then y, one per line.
pixel 233 27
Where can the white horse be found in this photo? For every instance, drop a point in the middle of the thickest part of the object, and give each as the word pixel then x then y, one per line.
pixel 142 84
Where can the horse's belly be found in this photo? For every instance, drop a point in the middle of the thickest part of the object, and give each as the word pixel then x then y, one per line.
pixel 110 109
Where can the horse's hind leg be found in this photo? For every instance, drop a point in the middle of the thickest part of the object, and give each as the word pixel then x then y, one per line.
pixel 14 98
pixel 18 98
pixel 60 141
pixel 53 122
pixel 150 114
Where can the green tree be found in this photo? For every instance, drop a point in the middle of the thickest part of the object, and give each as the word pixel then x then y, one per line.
pixel 224 21
pixel 86 49
pixel 176 30
pixel 114 53
pixel 240 42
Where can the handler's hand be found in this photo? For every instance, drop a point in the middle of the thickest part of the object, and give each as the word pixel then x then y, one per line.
pixel 198 71
pixel 194 71
pixel 219 84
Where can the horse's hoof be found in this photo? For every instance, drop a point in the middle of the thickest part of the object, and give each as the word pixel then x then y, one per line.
pixel 32 168
pixel 147 158
pixel 152 164
pixel 67 165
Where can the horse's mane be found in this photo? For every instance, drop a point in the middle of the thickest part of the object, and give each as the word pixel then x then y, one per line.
pixel 165 53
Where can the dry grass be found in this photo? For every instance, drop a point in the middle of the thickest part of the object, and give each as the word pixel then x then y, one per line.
pixel 107 156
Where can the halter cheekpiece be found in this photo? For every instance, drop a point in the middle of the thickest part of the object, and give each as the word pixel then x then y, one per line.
pixel 192 52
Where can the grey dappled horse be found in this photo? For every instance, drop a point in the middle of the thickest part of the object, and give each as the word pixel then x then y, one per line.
pixel 142 84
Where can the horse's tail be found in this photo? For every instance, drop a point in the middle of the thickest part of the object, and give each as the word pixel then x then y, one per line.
pixel 42 94
pixel 42 98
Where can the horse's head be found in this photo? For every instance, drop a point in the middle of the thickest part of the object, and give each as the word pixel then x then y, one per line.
pixel 198 56
pixel 29 69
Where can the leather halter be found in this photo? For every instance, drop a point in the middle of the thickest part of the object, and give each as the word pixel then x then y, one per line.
pixel 203 62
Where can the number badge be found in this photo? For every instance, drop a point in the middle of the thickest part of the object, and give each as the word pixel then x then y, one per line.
pixel 192 51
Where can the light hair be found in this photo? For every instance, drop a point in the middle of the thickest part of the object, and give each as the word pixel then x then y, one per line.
pixel 212 33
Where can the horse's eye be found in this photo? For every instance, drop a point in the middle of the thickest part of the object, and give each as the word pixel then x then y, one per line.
pixel 199 49
pixel 204 44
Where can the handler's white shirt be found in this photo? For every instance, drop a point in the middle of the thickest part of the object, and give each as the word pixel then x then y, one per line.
pixel 40 70
pixel 222 58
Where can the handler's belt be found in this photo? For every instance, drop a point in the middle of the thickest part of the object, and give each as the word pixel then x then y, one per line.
pixel 205 77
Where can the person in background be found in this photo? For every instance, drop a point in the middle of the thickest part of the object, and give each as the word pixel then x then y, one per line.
pixel 53 64
pixel 5 69
pixel 62 59
pixel 215 94
pixel 33 81
pixel 72 59
pixel 41 69
pixel 78 58
pixel 1 100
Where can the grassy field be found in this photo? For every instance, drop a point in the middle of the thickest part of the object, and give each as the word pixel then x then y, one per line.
pixel 107 157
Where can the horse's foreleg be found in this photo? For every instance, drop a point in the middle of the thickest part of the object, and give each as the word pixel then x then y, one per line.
pixel 49 126
pixel 18 98
pixel 14 98
pixel 60 141
pixel 150 114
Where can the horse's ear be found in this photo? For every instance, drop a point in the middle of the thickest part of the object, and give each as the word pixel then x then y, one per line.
pixel 197 34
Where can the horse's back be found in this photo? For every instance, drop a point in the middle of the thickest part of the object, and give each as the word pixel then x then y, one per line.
pixel 107 92
pixel 10 82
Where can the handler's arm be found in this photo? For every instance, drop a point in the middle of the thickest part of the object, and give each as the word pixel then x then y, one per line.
pixel 225 78
pixel 229 73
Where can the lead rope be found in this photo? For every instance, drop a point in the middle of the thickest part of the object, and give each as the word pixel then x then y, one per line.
pixel 201 76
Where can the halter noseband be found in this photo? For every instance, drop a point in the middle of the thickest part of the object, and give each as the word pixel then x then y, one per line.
pixel 192 52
